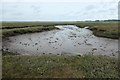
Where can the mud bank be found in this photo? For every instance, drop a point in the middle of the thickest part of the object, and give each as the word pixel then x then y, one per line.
pixel 69 40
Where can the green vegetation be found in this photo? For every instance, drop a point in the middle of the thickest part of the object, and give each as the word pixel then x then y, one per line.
pixel 100 29
pixel 107 30
pixel 59 66
pixel 16 31
pixel 45 66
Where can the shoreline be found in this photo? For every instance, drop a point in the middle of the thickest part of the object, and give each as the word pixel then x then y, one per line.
pixel 105 30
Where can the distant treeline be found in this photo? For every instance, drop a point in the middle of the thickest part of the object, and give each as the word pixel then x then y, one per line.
pixel 112 20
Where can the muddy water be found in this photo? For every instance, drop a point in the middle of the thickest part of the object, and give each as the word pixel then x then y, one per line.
pixel 69 40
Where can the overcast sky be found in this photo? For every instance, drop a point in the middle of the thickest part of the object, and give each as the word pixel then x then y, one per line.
pixel 59 10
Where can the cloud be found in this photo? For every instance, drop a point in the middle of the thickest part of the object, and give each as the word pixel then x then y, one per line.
pixel 59 11
pixel 90 7
pixel 59 0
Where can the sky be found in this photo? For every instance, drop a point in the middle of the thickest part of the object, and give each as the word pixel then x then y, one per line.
pixel 58 10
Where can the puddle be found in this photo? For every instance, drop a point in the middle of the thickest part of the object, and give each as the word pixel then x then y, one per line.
pixel 69 40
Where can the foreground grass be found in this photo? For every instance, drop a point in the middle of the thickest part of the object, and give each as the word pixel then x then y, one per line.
pixel 100 29
pixel 59 66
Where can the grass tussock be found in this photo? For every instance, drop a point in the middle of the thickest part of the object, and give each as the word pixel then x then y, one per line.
pixel 59 66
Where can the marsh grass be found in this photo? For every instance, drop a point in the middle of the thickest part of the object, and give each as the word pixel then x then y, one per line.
pixel 59 66
pixel 100 29
pixel 17 31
